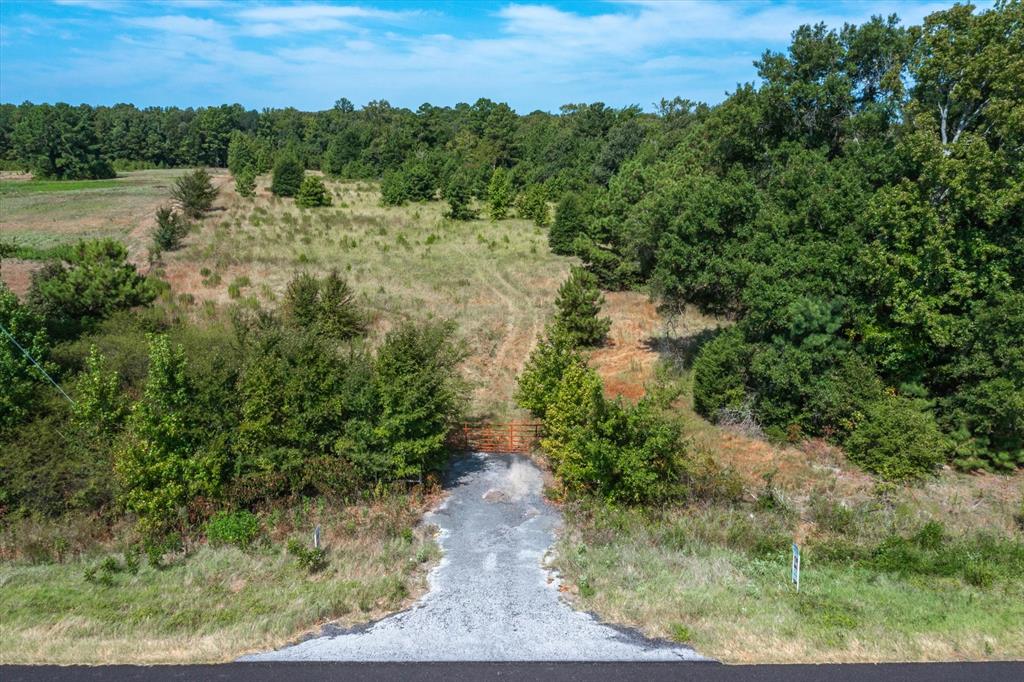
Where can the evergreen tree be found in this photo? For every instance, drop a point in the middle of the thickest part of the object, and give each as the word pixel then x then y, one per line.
pixel 312 193
pixel 533 205
pixel 171 228
pixel 499 193
pixel 194 192
pixel 458 196
pixel 245 183
pixel 579 301
pixel 288 175
pixel 569 223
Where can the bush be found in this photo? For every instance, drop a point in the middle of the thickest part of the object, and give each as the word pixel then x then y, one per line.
pixel 897 440
pixel 394 188
pixel 312 559
pixel 239 528
pixel 245 182
pixel 720 374
pixel 538 382
pixel 194 192
pixel 288 175
pixel 95 281
pixel 171 228
pixel 533 205
pixel 312 193
pixel 579 301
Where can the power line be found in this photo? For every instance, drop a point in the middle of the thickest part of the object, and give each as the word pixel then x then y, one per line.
pixel 33 361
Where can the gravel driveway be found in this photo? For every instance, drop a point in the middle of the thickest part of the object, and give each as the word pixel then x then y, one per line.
pixel 490 597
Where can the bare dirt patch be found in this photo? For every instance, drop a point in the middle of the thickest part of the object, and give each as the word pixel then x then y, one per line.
pixel 17 274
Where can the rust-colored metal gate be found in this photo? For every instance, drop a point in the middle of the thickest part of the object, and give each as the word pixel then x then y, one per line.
pixel 498 437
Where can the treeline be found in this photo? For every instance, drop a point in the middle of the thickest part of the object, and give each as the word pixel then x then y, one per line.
pixel 860 215
pixel 169 421
pixel 582 145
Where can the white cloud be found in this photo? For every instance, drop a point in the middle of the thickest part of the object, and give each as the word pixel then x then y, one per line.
pixel 182 25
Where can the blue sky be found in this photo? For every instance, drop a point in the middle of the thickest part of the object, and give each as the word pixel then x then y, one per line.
pixel 533 55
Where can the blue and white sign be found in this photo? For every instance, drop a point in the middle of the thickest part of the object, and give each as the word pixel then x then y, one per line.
pixel 796 566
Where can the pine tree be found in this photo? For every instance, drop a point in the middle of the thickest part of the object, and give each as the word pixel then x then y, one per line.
pixel 312 193
pixel 288 175
pixel 245 183
pixel 569 223
pixel 171 228
pixel 194 192
pixel 499 193
pixel 579 302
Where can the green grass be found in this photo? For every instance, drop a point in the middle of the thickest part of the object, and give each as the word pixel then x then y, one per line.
pixel 697 575
pixel 46 213
pixel 218 602
pixel 15 187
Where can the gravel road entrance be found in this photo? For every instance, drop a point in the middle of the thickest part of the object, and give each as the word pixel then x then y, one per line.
pixel 490 597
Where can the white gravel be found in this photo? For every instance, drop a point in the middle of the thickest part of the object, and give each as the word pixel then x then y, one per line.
pixel 490 598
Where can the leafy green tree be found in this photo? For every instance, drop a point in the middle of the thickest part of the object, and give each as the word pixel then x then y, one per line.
pixel 570 223
pixel 100 407
pixel 20 378
pixel 579 303
pixel 194 193
pixel 241 154
pixel 171 227
pixel 499 194
pixel 421 397
pixel 532 204
pixel 160 466
pixel 720 374
pixel 288 175
pixel 245 183
pixel 93 282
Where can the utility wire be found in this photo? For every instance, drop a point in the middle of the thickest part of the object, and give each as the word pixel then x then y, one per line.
pixel 33 361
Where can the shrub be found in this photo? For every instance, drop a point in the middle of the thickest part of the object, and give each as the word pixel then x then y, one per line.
pixel 288 175
pixel 499 193
pixel 720 374
pixel 95 281
pixel 171 227
pixel 579 301
pixel 569 224
pixel 312 559
pixel 539 379
pixel 239 528
pixel 897 440
pixel 194 192
pixel 533 205
pixel 394 188
pixel 312 193
pixel 245 182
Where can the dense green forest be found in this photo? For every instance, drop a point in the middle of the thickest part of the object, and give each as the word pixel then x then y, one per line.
pixel 858 216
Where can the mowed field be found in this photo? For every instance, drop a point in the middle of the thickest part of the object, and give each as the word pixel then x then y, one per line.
pixel 496 280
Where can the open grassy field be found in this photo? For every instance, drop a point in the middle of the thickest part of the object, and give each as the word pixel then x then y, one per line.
pixel 218 602
pixel 496 280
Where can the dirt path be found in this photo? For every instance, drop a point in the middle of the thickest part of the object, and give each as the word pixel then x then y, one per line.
pixel 491 597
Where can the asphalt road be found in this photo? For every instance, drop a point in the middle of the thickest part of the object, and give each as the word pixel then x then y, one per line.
pixel 490 598
pixel 522 671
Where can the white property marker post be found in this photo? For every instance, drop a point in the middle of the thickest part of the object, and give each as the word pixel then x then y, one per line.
pixel 316 537
pixel 795 570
